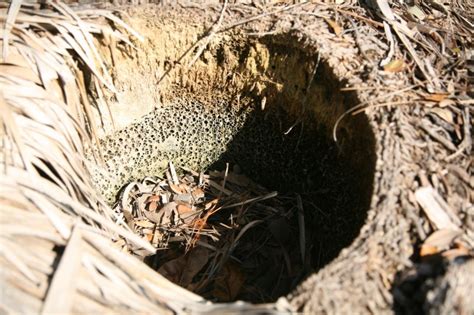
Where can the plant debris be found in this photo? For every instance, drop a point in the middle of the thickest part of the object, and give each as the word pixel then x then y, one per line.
pixel 215 232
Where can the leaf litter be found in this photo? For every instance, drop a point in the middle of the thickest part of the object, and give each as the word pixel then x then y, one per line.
pixel 217 234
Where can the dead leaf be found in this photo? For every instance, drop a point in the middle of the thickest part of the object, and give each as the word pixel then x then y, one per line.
pixel 183 208
pixel 416 11
pixel 394 66
pixel 144 224
pixel 153 198
pixel 455 253
pixel 198 193
pixel 442 238
pixel 229 284
pixel 21 72
pixel 187 214
pixel 152 206
pixel 164 216
pixel 428 250
pixel 184 188
pixel 149 237
pixel 183 269
pixel 447 102
pixel 177 189
pixel 444 113
pixel 437 97
pixel 128 218
pixel 335 27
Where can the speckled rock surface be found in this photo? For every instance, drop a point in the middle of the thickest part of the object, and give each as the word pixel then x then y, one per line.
pixel 186 132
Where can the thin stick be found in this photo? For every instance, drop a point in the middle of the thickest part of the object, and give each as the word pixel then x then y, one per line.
pixel 383 105
pixel 225 177
pixel 359 17
pixel 219 187
pixel 259 16
pixel 273 194
pixel 174 176
pixel 212 32
pixel 363 88
pixel 412 52
pixel 362 106
pixel 437 137
pixel 344 12
pixel 301 224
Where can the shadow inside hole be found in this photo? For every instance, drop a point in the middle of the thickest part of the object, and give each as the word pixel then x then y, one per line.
pixel 290 149
pixel 335 187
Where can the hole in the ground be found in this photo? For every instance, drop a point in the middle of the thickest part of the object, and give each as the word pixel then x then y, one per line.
pixel 259 104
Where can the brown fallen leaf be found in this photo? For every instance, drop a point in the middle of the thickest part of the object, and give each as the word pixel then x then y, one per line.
pixel 153 198
pixel 447 102
pixel 182 209
pixel 444 113
pixel 198 193
pixel 152 206
pixel 442 238
pixel 20 72
pixel 128 218
pixel 455 253
pixel 177 189
pixel 428 250
pixel 437 97
pixel 394 66
pixel 184 188
pixel 152 203
pixel 229 284
pixel 144 223
pixel 337 29
pixel 149 237
pixel 183 269
pixel 164 216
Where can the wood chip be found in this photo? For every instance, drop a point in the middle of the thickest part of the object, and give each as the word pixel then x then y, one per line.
pixel 442 238
pixel 144 223
pixel 174 176
pixel 436 209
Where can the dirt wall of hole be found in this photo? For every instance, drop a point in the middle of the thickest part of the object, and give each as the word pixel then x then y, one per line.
pixel 277 67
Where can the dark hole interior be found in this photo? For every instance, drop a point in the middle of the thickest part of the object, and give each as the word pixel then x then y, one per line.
pixel 335 193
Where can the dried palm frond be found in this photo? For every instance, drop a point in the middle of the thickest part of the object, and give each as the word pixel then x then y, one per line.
pixel 46 122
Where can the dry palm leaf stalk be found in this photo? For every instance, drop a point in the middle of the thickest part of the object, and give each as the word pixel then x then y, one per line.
pixel 45 123
pixel 44 104
pixel 198 223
